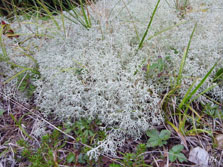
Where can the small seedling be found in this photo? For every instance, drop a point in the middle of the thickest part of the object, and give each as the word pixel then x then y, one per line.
pixel 82 158
pixel 133 159
pixel 175 50
pixel 156 138
pixel 83 130
pixel 87 130
pixel 45 154
pixel 158 69
pixel 175 153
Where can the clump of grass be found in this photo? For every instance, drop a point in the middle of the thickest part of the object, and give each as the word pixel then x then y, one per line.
pixel 77 15
pixel 11 8
pixel 185 104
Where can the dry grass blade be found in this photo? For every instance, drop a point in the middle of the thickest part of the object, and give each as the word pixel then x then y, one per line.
pixel 179 78
pixel 3 57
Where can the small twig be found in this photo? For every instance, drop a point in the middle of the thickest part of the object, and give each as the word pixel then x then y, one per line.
pixel 155 161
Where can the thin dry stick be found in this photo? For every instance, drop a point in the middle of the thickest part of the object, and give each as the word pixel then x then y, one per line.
pixel 155 162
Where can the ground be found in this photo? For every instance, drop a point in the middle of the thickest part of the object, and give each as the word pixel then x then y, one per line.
pixel 113 83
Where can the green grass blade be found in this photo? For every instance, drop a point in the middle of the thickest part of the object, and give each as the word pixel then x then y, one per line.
pixel 14 76
pixel 185 56
pixel 87 22
pixel 74 21
pixel 203 92
pixel 201 83
pixel 63 23
pixel 19 124
pixel 166 29
pixel 5 55
pixel 189 96
pixel 182 121
pixel 186 95
pixel 89 18
pixel 16 65
pixel 49 13
pixel 197 131
pixel 76 16
pixel 72 7
pixel 149 25
pixel 31 57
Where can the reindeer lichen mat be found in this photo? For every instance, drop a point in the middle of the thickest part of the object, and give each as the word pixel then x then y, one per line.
pixel 92 66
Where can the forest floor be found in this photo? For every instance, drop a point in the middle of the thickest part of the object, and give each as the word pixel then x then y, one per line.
pixel 113 84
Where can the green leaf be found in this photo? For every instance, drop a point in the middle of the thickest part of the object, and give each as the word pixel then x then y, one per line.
pixel 1 112
pixel 175 153
pixel 183 61
pixel 219 77
pixel 172 156
pixel 164 142
pixel 82 158
pixel 140 148
pixel 164 134
pixel 181 157
pixel 177 148
pixel 154 141
pixel 70 157
pixel 152 133
pixel 157 139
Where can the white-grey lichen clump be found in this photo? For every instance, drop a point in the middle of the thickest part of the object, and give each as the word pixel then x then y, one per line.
pixel 96 73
